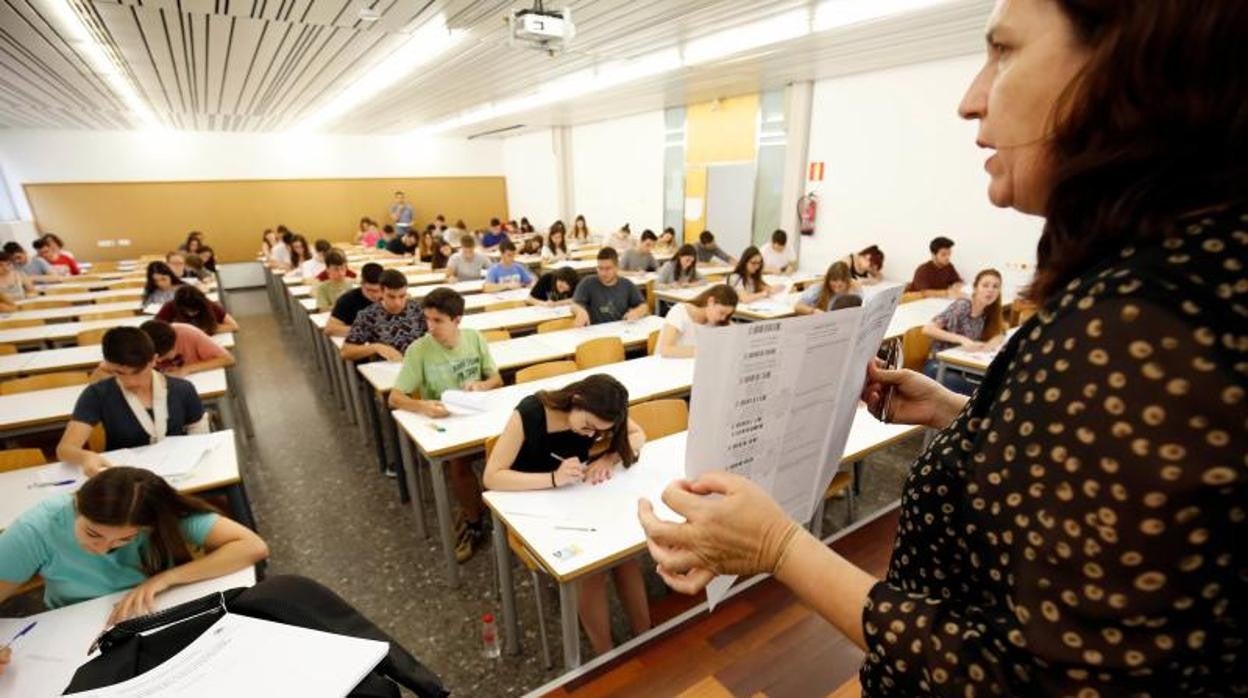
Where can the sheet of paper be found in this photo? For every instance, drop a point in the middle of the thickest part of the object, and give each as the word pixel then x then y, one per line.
pixel 239 655
pixel 463 402
pixel 170 457
pixel 59 472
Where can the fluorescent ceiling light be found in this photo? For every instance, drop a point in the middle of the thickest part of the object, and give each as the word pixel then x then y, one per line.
pixel 429 41
pixel 790 25
pixel 77 33
pixel 833 14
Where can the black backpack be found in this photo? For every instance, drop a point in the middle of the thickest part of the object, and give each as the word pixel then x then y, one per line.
pixel 293 600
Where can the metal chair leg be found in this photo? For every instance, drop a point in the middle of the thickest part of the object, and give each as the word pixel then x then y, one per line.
pixel 541 619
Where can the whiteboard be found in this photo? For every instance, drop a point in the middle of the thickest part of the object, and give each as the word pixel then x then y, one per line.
pixel 730 205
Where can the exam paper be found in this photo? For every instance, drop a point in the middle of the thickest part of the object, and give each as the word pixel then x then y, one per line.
pixel 171 457
pixel 463 402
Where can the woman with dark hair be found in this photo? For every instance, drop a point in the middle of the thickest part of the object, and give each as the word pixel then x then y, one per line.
pixel 866 266
pixel 556 248
pixel 713 307
pixel 300 252
pixel 194 243
pixel 554 287
pixel 975 324
pixel 525 226
pixel 680 270
pixel 532 245
pixel 836 282
pixel 442 252
pixel 561 438
pixel 747 279
pixel 277 251
pixel 580 230
pixel 126 528
pixel 191 306
pixel 162 282
pixel 1076 527
pixel 209 258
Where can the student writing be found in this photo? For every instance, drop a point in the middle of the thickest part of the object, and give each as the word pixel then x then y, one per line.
pixel 711 308
pixel 554 287
pixel 607 296
pixel 507 274
pixel 747 279
pixel 385 328
pixel 350 304
pixel 817 299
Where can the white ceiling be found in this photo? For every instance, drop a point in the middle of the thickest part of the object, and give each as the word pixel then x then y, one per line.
pixel 262 65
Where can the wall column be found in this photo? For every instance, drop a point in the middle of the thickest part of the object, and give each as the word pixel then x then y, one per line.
pixel 565 179
pixel 796 152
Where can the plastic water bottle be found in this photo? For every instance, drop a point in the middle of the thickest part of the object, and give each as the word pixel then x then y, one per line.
pixel 489 637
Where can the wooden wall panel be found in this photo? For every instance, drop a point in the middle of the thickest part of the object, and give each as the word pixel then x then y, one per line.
pixel 156 216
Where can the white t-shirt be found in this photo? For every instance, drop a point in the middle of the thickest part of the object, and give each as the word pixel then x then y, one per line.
pixel 777 260
pixel 678 317
pixel 280 254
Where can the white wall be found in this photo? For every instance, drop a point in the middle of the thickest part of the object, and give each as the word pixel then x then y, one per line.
pixel 902 168
pixel 119 156
pixel 618 166
pixel 531 167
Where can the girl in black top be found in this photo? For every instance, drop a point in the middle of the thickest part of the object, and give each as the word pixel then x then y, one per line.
pixel 549 442
pixel 554 287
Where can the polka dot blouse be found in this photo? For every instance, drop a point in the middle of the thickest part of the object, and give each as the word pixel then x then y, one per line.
pixel 1079 529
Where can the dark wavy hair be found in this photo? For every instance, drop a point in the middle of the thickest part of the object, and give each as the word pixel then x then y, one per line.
pixel 154 268
pixel 605 398
pixel 1153 129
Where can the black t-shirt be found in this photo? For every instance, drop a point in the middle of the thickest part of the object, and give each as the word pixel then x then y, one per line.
pixel 349 305
pixel 535 452
pixel 396 246
pixel 544 289
pixel 104 402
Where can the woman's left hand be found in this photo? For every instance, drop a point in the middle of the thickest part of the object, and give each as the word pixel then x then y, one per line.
pixel 600 470
pixel 742 531
pixel 140 601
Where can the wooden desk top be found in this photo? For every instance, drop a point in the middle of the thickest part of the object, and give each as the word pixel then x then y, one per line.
pixel 68 358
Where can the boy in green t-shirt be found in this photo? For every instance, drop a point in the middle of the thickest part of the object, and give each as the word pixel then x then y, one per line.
pixel 336 284
pixel 448 358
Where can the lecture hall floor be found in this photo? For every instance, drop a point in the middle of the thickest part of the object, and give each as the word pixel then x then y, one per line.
pixel 328 513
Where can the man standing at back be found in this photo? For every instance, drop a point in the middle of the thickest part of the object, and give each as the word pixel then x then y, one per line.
pixel 607 297
pixel 401 213
pixel 936 278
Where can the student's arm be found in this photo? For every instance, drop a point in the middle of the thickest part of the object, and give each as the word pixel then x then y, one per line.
pixel 358 352
pixel 935 331
pixel 638 308
pixel 229 324
pixel 601 468
pixel 336 327
pixel 224 361
pixel 72 448
pixel 231 547
pixel 580 299
pixel 493 379
pixel 668 349
pixel 500 476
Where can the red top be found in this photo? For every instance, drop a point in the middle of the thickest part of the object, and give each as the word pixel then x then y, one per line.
pixel 64 260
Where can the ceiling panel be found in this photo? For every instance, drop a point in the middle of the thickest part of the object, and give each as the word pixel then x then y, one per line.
pixel 262 65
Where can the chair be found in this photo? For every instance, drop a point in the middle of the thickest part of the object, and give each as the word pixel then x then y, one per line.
pixel 536 372
pixel 915 348
pixel 43 305
pixel 110 315
pixel 911 296
pixel 504 305
pixel 91 337
pixel 18 458
pixel 598 352
pixel 98 439
pixel 131 283
pixel 555 325
pixel 652 342
pixel 495 335
pixel 659 418
pixel 530 562
pixel 44 381
pixel 15 324
pixel 1021 311
pixel 6 349
pixel 98 267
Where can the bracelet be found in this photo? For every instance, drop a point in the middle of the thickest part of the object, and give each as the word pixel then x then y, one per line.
pixel 552 479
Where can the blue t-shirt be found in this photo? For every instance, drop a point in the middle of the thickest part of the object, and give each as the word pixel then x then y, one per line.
pixel 499 274
pixel 493 239
pixel 811 296
pixel 42 542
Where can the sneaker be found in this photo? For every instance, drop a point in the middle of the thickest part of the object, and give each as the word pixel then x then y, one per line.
pixel 468 542
pixel 461 524
pixel 391 472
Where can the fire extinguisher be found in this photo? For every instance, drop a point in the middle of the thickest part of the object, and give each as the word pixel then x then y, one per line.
pixel 807 211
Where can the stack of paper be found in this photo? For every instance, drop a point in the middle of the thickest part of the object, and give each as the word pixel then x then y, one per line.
pixel 462 402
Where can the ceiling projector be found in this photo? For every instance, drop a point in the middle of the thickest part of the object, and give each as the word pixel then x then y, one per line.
pixel 545 30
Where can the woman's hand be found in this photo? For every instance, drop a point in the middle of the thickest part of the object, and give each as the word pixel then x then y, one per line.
pixel 600 470
pixel 916 398
pixel 6 655
pixel 140 601
pixel 742 531
pixel 93 463
pixel 570 470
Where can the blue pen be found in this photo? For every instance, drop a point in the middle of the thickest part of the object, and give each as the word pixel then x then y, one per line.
pixel 20 633
pixel 59 483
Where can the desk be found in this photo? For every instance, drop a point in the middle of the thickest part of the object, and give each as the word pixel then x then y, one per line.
pixel 464 288
pixel 72 311
pixel 69 358
pixel 84 297
pixel 646 378
pixel 774 308
pixel 972 362
pixel 688 293
pixel 515 319
pixel 915 314
pixel 45 660
pixel 61 331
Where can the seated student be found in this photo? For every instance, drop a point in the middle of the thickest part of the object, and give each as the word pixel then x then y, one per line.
pixel 666 243
pixel 713 307
pixel 428 241
pixel 454 234
pixel 467 264
pixel 300 252
pixel 136 404
pixel 641 257
pixel 162 283
pixel 507 273
pixel 59 256
pixel 45 262
pixel 196 270
pixel 554 287
pixel 388 235
pixel 556 247
pixel 449 358
pixel 707 250
pixel 525 226
pixel 13 281
pixel 335 283
pixel 936 278
pixel 557 438
pixel 183 349
pixel 23 263
pixel 621 240
pixel 404 245
pixel 349 304
pixel 779 257
pixel 194 243
pixel 191 306
pixel 606 296
pixel 493 235
pixel 975 324
pixel 387 327
pixel 7 305
pixel 177 262
pixel 865 267
pixel 817 299
pixel 368 234
pixel 580 230
pixel 125 528
pixel 276 251
pixel 442 252
pixel 313 266
pixel 209 258
pixel 680 270
pixel 747 279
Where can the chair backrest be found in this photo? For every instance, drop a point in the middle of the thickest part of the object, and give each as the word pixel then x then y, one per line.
pixel 43 305
pixel 7 349
pixel 911 296
pixel 915 348
pixel 537 372
pixel 504 305
pixel 600 351
pixel 103 266
pixel 652 342
pixel 44 381
pixel 97 440
pixel 15 324
pixel 90 337
pixel 563 323
pixel 495 335
pixel 658 418
pixel 18 458
pixel 110 315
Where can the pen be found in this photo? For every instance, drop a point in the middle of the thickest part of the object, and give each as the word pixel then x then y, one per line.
pixel 576 528
pixel 20 633
pixel 557 457
pixel 436 427
pixel 58 483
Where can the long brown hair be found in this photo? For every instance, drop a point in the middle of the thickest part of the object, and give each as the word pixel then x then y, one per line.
pixel 125 496
pixel 837 271
pixel 188 298
pixel 605 398
pixel 679 272
pixel 1152 129
pixel 743 270
pixel 994 318
pixel 722 294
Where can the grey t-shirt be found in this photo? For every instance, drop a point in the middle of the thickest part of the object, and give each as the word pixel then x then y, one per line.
pixel 467 270
pixel 606 303
pixel 636 259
